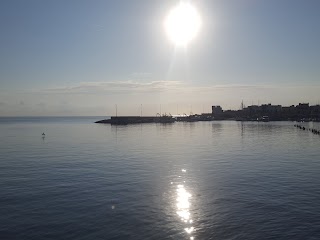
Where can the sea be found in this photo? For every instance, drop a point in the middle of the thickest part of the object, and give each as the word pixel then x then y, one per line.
pixel 198 180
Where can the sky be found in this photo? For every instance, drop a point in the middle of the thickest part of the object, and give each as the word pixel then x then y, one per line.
pixel 84 57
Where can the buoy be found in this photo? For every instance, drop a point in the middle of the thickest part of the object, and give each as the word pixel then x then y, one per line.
pixel 43 134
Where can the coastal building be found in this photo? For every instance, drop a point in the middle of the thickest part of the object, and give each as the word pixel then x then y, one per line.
pixel 217 110
pixel 315 112
pixel 302 110
pixel 271 109
pixel 289 112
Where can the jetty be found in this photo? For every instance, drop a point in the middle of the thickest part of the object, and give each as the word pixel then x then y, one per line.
pixel 124 120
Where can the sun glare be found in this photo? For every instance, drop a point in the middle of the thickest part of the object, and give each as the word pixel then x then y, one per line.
pixel 182 24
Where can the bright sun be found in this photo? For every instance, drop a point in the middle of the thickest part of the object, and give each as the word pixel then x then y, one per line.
pixel 182 24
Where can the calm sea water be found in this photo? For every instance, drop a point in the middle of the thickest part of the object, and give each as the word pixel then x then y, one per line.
pixel 204 180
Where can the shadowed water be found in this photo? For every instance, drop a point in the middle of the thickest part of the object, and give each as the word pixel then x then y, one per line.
pixel 204 180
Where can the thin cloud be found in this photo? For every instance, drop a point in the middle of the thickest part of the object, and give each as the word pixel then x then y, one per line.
pixel 116 87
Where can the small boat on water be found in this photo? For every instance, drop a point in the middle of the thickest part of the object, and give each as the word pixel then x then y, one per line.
pixel 165 119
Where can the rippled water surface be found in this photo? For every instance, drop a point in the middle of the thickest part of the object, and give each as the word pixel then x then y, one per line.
pixel 204 180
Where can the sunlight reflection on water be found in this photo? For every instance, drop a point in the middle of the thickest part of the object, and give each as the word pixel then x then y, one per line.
pixel 183 207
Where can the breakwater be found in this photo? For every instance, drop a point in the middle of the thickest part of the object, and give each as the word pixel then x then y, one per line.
pixel 123 120
pixel 313 130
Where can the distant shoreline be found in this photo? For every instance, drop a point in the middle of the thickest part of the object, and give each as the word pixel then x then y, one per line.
pixel 123 120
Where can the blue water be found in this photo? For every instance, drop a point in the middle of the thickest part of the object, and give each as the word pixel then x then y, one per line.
pixel 204 180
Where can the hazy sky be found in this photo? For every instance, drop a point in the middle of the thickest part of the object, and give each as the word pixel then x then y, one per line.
pixel 64 57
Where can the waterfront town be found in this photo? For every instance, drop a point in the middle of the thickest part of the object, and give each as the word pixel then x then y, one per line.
pixel 268 112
